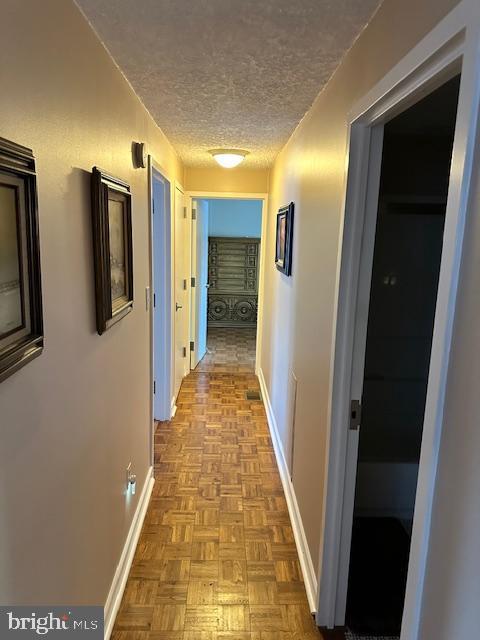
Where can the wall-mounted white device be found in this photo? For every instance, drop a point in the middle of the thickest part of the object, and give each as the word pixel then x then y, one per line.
pixel 131 480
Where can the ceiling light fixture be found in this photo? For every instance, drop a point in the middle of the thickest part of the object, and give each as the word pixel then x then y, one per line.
pixel 229 158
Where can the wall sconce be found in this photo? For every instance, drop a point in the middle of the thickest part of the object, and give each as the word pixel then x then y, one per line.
pixel 140 155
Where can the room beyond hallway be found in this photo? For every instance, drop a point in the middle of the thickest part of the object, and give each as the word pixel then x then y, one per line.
pixel 216 559
pixel 229 350
pixel 225 257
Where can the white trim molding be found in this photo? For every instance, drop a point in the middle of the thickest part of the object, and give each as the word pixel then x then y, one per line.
pixel 221 195
pixel 121 574
pixel 308 570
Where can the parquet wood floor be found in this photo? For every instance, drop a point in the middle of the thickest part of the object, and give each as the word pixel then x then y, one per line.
pixel 229 350
pixel 216 559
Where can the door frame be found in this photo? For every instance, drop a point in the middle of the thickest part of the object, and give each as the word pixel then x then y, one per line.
pixel 155 169
pixel 451 47
pixel 194 291
pixel 233 195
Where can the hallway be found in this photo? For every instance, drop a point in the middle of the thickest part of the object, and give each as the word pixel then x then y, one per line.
pixel 216 559
pixel 229 350
pixel 239 292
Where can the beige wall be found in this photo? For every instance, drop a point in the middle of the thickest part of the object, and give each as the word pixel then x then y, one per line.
pixel 227 180
pixel 72 419
pixel 311 171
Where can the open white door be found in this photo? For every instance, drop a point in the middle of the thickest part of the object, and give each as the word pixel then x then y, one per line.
pixel 162 296
pixel 181 302
pixel 358 360
pixel 199 281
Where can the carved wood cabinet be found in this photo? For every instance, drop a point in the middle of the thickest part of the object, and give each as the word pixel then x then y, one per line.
pixel 233 277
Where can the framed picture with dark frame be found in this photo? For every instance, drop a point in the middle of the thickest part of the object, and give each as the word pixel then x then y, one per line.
pixel 112 248
pixel 21 318
pixel 284 239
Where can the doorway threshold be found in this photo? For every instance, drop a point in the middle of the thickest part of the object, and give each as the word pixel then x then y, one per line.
pixel 349 635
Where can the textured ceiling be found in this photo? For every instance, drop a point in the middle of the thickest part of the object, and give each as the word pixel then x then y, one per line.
pixel 228 73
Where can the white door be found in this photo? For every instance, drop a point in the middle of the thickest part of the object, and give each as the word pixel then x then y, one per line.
pixel 200 275
pixel 358 362
pixel 181 290
pixel 161 297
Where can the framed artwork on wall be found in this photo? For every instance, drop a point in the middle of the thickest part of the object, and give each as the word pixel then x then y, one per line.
pixel 21 318
pixel 112 248
pixel 284 239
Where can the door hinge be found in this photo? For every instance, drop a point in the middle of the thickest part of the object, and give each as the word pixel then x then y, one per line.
pixel 184 284
pixel 192 282
pixel 184 352
pixel 154 300
pixel 192 345
pixel 355 415
pixel 184 212
pixel 154 387
pixel 194 214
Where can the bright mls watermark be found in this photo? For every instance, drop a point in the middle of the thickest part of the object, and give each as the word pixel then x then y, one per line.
pixel 52 622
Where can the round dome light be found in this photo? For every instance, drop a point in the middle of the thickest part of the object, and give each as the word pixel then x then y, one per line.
pixel 228 158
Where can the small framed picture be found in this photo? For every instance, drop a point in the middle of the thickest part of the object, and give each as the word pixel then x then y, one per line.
pixel 21 318
pixel 284 240
pixel 113 248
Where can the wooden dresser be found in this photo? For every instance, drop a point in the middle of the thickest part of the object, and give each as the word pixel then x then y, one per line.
pixel 233 265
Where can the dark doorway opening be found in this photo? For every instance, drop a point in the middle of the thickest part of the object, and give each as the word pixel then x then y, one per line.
pixel 417 149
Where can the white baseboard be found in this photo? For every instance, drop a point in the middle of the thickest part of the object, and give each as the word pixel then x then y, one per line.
pixel 121 574
pixel 308 570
